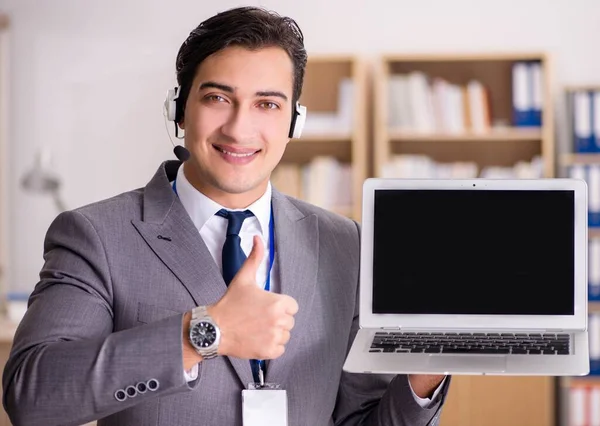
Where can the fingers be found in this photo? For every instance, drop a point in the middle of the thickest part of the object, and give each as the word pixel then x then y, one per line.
pixel 247 273
pixel 287 322
pixel 285 337
pixel 291 307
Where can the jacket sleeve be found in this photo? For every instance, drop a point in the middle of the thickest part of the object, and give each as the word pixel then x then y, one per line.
pixel 382 400
pixel 67 366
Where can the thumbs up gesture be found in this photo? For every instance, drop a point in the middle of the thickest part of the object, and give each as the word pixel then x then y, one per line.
pixel 254 323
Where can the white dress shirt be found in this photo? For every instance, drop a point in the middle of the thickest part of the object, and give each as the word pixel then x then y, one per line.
pixel 213 228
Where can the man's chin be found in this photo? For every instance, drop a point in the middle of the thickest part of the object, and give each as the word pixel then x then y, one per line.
pixel 240 188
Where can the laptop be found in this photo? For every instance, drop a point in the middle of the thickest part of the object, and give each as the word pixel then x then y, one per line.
pixel 473 277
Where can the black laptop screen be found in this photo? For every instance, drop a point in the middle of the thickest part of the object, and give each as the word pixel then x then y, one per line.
pixel 473 252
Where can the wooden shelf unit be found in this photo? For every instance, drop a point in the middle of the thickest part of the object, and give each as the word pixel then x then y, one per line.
pixel 476 400
pixel 503 145
pixel 346 144
pixel 572 158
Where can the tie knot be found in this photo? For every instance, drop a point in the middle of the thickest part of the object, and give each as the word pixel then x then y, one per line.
pixel 235 219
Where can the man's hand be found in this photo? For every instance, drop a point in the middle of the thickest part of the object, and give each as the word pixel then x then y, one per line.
pixel 254 323
pixel 425 385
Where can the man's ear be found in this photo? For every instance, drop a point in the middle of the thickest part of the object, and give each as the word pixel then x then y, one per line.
pixel 181 124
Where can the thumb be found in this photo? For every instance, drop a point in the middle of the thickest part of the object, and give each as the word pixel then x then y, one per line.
pixel 247 273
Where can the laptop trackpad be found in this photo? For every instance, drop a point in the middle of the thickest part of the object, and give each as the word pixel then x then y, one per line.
pixel 468 363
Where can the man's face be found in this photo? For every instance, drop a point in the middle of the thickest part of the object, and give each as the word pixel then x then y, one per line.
pixel 237 119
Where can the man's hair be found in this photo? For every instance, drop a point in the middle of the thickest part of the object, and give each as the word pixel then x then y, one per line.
pixel 248 27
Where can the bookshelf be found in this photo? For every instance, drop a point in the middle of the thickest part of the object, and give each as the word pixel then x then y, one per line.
pixel 329 163
pixel 454 116
pixel 579 395
pixel 459 109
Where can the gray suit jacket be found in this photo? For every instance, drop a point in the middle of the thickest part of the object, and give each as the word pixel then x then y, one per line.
pixel 107 314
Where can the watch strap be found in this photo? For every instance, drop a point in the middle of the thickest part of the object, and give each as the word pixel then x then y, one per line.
pixel 199 312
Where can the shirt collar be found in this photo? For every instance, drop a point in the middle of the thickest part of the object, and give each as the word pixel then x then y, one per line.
pixel 200 208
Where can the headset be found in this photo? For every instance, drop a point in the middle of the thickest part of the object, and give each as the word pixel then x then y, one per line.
pixel 171 114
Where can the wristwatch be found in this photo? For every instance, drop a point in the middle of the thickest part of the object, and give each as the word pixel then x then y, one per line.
pixel 204 333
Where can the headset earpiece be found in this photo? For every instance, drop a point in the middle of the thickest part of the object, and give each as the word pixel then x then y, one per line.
pixel 171 103
pixel 298 120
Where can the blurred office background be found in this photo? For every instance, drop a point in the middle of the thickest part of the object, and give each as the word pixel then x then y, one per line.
pixel 84 82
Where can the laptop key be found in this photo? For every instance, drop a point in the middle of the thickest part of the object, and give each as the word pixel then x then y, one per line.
pixel 433 350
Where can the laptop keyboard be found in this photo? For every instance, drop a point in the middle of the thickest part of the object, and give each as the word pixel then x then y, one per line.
pixel 472 343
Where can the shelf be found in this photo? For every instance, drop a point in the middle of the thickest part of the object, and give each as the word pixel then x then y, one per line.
pixel 593 232
pixel 492 136
pixel 325 137
pixel 335 88
pixel 570 159
pixel 581 380
pixel 582 87
pixel 464 57
pixel 594 306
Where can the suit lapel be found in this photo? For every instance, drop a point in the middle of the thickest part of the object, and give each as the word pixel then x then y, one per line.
pixel 169 231
pixel 296 251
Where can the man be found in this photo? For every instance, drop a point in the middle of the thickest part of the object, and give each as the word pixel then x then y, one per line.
pixel 128 280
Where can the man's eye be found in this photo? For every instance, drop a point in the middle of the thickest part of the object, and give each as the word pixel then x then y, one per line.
pixel 269 105
pixel 215 98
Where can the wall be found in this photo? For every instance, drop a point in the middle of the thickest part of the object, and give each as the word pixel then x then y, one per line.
pixel 88 77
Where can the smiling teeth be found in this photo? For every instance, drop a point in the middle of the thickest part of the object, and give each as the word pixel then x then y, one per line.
pixel 233 154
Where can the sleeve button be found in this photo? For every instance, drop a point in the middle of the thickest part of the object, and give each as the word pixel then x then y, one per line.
pixel 120 395
pixel 152 384
pixel 131 391
pixel 141 387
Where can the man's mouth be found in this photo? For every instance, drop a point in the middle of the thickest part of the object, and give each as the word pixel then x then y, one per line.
pixel 236 153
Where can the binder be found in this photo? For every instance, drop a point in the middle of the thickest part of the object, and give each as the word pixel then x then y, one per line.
pixel 594 405
pixel 537 93
pixel 578 171
pixel 594 269
pixel 594 343
pixel 582 122
pixel 594 195
pixel 595 134
pixel 522 100
pixel 577 406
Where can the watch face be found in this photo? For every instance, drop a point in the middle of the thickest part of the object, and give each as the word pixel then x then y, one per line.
pixel 203 335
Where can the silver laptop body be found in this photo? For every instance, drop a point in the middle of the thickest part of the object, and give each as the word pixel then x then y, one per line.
pixel 473 277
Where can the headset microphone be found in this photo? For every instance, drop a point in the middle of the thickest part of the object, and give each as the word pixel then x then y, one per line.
pixel 181 153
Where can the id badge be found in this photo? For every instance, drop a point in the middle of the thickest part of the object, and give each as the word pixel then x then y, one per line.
pixel 264 405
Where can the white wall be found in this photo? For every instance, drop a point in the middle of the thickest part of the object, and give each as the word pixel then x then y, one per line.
pixel 89 77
